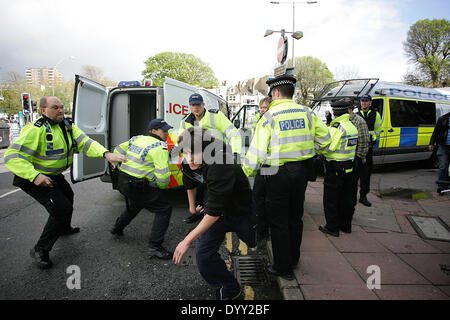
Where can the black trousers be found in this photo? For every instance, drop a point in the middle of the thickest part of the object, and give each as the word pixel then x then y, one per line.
pixel 58 201
pixel 259 205
pixel 285 195
pixel 141 196
pixel 338 199
pixel 364 173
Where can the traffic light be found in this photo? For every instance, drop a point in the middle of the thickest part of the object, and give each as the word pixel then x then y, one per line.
pixel 26 103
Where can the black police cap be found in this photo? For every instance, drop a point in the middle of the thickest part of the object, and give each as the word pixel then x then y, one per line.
pixel 340 105
pixel 280 80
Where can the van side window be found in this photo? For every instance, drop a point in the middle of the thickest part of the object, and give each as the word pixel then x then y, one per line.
pixel 407 113
pixel 377 104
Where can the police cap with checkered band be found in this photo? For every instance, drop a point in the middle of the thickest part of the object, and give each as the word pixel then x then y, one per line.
pixel 279 81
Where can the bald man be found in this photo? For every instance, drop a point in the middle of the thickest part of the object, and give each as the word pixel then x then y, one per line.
pixel 38 158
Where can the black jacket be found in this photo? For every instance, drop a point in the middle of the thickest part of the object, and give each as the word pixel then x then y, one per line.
pixel 440 130
pixel 228 191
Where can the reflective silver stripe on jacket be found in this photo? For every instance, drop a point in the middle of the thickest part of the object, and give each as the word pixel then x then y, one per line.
pixel 212 120
pixel 149 174
pixel 256 152
pixel 292 154
pixel 35 165
pixel 36 155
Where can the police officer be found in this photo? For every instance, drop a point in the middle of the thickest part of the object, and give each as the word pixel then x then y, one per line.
pixel 284 143
pixel 259 192
pixel 222 128
pixel 141 180
pixel 373 120
pixel 38 157
pixel 338 201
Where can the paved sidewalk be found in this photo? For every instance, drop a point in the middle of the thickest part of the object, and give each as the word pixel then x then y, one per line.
pixel 410 267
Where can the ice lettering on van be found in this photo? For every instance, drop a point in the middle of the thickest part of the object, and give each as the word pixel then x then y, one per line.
pixel 135 149
pixel 178 109
pixel 292 124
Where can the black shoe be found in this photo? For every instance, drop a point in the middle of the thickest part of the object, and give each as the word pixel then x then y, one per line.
pixel 365 202
pixel 42 258
pixel 230 296
pixel 346 230
pixel 160 253
pixel 70 231
pixel 116 231
pixel 324 229
pixel 288 275
pixel 193 218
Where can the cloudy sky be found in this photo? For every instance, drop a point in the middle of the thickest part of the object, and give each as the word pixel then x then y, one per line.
pixel 119 35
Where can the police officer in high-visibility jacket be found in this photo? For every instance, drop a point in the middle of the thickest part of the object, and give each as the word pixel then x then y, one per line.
pixel 338 201
pixel 282 148
pixel 222 129
pixel 38 157
pixel 373 120
pixel 141 180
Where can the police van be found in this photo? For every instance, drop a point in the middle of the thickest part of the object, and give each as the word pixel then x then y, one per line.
pixel 114 115
pixel 408 114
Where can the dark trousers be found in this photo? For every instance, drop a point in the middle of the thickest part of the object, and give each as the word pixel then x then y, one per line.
pixel 259 195
pixel 364 173
pixel 285 195
pixel 58 201
pixel 140 195
pixel 210 265
pixel 357 164
pixel 338 200
pixel 443 154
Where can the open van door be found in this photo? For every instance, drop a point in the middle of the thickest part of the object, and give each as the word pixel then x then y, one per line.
pixel 89 114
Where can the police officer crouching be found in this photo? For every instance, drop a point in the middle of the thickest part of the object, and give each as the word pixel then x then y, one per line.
pixel 141 179
pixel 338 200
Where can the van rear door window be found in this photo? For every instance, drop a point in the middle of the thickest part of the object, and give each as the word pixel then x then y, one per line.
pixel 407 113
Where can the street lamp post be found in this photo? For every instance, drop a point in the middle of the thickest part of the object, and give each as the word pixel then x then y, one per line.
pixel 54 68
pixel 293 19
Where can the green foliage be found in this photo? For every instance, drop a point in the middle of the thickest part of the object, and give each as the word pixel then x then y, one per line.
pixel 12 91
pixel 180 66
pixel 312 75
pixel 428 47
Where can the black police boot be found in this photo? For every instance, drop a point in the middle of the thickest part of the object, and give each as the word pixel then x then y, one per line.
pixel 288 275
pixel 116 231
pixel 70 231
pixel 364 201
pixel 160 253
pixel 324 229
pixel 41 258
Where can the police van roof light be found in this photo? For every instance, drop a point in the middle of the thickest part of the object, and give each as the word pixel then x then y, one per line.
pixel 129 84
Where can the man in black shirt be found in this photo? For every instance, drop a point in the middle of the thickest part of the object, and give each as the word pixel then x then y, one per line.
pixel 228 207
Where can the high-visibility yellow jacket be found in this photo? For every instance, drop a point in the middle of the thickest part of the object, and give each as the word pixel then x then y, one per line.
pixel 286 132
pixel 255 122
pixel 373 120
pixel 221 126
pixel 344 139
pixel 42 148
pixel 148 158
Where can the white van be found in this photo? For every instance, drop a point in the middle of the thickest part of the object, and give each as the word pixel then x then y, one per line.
pixel 408 114
pixel 114 115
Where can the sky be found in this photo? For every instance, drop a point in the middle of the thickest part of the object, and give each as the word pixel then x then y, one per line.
pixel 363 36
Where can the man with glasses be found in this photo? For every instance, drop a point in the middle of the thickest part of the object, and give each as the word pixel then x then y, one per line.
pixel 38 158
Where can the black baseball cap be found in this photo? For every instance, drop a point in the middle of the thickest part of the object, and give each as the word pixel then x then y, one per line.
pixel 366 97
pixel 195 98
pixel 159 124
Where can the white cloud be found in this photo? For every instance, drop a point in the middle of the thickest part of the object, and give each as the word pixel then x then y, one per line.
pixel 118 36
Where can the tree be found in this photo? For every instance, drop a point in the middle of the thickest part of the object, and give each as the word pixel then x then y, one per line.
pixel 428 47
pixel 312 75
pixel 180 66
pixel 96 74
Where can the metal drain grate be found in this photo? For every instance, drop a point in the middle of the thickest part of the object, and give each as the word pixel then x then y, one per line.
pixel 250 270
